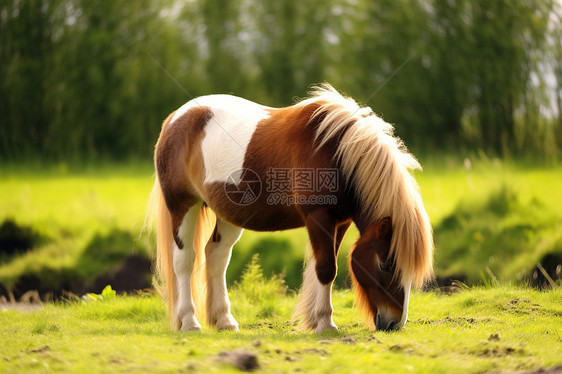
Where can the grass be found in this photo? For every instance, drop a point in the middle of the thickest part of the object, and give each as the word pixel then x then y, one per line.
pixel 472 331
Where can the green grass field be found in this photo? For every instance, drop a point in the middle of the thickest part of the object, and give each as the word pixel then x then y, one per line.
pixel 471 331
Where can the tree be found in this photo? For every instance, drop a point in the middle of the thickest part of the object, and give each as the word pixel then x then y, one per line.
pixel 506 34
pixel 95 78
pixel 556 49
pixel 26 44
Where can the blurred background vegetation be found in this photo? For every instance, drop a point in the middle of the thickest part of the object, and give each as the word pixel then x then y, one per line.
pixel 91 79
pixel 474 87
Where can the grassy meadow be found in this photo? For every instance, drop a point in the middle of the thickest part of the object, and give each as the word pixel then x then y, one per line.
pixel 470 331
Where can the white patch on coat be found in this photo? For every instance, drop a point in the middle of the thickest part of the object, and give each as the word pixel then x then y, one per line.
pixel 314 308
pixel 227 133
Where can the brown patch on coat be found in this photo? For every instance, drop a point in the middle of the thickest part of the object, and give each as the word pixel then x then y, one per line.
pixel 179 162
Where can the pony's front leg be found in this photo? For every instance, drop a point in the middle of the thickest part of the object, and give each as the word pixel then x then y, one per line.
pixel 218 252
pixel 315 305
pixel 315 301
pixel 183 260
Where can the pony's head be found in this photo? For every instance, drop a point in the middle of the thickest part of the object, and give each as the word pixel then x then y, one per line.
pixel 379 293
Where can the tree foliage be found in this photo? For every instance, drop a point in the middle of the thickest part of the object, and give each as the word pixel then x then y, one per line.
pixel 94 78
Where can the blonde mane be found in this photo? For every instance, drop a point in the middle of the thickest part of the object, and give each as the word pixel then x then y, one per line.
pixel 377 165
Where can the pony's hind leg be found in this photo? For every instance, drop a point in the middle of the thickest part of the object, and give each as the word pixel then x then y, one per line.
pixel 218 252
pixel 183 260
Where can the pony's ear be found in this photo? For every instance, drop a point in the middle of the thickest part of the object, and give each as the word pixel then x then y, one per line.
pixel 383 228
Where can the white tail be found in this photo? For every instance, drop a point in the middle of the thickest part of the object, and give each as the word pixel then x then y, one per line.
pixel 164 278
pixel 206 222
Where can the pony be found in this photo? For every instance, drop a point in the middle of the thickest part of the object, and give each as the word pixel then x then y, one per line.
pixel 224 164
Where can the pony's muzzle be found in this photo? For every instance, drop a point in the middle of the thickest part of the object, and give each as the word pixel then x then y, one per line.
pixel 382 323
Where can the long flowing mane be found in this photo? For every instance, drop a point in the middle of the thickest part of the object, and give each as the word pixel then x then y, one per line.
pixel 377 165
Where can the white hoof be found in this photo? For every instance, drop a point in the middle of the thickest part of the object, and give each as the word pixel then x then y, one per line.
pixel 325 325
pixel 190 323
pixel 227 322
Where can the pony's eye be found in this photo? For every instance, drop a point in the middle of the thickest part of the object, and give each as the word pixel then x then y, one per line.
pixel 385 266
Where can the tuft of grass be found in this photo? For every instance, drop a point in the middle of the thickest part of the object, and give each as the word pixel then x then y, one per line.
pixel 277 255
pixel 255 286
pixel 257 294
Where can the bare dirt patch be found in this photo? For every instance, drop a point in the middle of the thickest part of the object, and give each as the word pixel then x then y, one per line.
pixel 241 359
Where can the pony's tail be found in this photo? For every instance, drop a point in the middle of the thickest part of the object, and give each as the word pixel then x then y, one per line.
pixel 164 279
pixel 206 222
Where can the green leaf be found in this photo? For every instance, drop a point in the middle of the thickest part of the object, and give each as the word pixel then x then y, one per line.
pixel 108 293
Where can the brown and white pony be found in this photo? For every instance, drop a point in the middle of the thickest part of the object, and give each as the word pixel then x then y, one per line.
pixel 213 159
